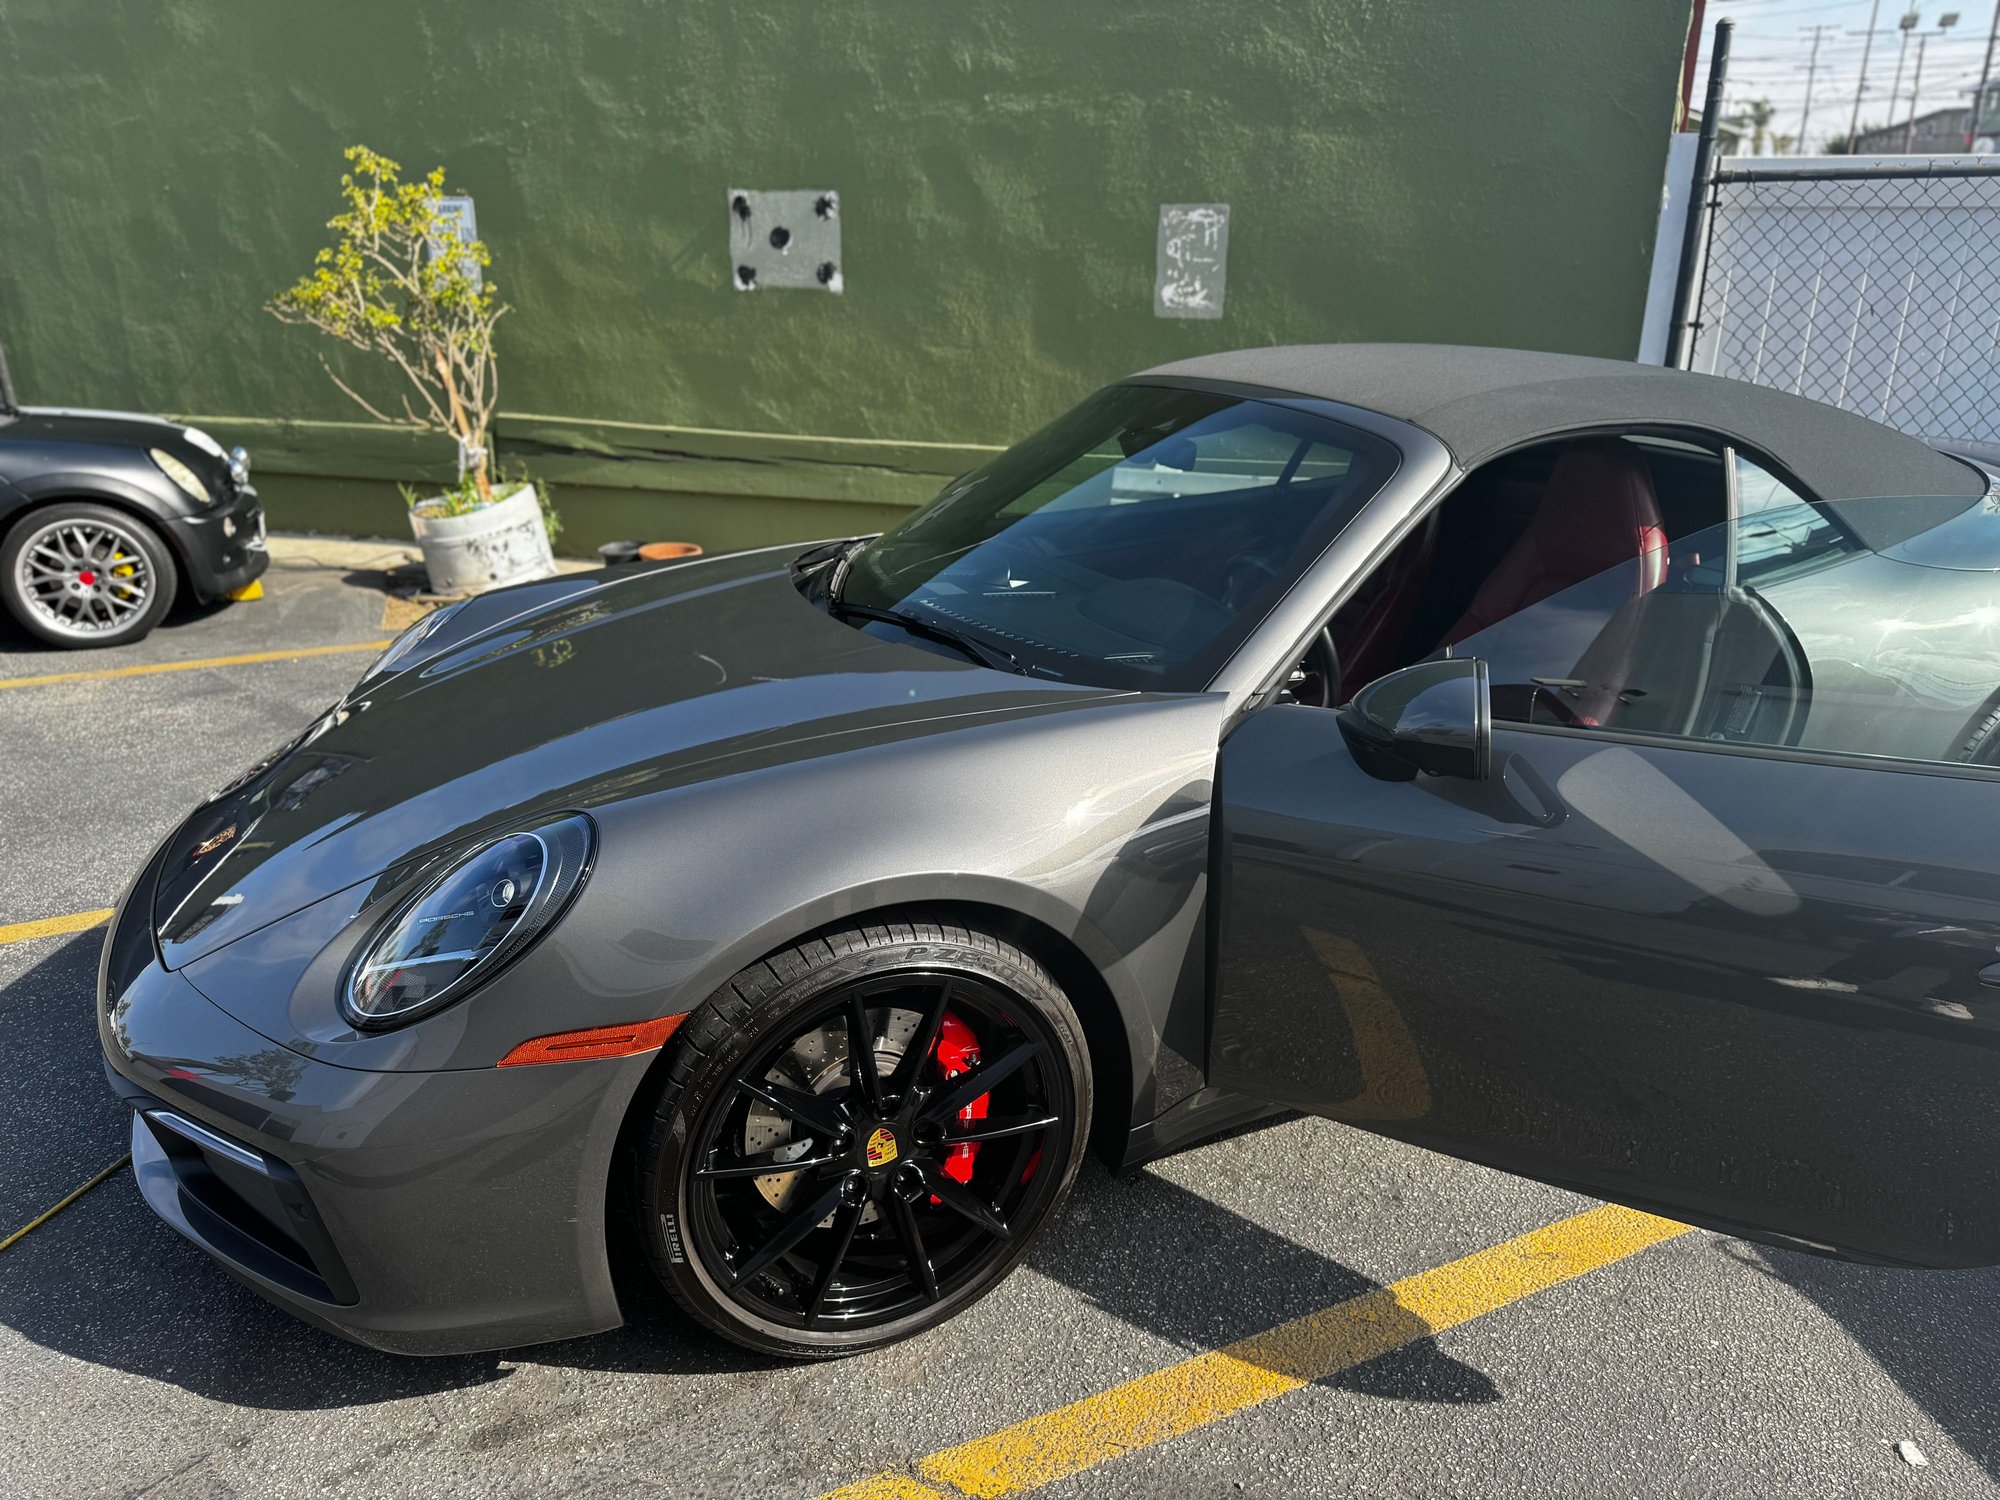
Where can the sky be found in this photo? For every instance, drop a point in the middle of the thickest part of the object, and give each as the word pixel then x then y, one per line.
pixel 1772 49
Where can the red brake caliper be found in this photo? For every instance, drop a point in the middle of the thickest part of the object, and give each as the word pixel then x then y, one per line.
pixel 957 1052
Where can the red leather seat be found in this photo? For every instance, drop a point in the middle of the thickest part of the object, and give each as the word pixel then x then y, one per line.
pixel 1598 512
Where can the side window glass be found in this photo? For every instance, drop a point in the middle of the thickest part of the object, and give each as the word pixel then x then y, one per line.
pixel 1862 627
pixel 1779 533
pixel 1646 646
pixel 1609 585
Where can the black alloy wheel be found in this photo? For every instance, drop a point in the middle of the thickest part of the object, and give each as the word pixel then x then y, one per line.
pixel 861 1136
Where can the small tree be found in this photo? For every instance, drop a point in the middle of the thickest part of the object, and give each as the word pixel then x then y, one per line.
pixel 1757 114
pixel 402 284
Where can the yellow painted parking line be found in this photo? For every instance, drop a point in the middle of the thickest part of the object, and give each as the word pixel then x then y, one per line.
pixel 82 921
pixel 55 1208
pixel 105 674
pixel 1253 1370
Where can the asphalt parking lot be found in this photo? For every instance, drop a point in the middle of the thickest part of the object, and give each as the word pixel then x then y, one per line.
pixel 1606 1355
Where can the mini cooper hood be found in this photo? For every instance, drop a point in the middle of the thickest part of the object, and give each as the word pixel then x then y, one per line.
pixel 566 694
pixel 124 429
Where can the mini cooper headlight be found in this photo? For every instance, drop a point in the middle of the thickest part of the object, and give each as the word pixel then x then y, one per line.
pixel 185 479
pixel 467 922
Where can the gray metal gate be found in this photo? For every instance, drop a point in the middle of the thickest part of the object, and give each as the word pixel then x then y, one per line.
pixel 1870 283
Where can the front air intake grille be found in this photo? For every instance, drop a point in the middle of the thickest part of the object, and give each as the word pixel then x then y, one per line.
pixel 251 1208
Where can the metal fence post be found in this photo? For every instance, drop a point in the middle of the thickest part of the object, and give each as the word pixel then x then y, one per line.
pixel 1681 332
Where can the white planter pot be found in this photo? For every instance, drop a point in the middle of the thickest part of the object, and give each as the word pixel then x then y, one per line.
pixel 496 544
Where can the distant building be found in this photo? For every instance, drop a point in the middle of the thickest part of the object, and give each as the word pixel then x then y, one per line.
pixel 1941 131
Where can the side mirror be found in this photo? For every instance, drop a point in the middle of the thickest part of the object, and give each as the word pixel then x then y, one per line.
pixel 1435 717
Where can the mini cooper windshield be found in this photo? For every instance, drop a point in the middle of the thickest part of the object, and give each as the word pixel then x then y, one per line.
pixel 1133 543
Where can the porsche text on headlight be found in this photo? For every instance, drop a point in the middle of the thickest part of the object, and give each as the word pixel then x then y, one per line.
pixel 467 922
pixel 185 479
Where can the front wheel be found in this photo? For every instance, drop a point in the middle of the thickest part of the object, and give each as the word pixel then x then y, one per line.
pixel 859 1137
pixel 78 574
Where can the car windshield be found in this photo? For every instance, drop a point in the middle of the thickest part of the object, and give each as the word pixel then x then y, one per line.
pixel 1135 542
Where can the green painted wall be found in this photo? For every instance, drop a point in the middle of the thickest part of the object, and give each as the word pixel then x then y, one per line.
pixel 1477 171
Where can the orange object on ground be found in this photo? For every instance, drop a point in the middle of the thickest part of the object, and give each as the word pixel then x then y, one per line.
pixel 595 1041
pixel 665 551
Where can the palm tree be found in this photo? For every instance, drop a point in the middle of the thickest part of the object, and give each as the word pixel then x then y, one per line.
pixel 1757 115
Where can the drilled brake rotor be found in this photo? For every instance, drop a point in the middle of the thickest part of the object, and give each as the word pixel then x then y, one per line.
pixel 817 1063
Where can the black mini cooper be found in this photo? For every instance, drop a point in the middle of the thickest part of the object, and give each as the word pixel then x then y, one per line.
pixel 106 517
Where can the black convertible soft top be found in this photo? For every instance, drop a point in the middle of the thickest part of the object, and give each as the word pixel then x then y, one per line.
pixel 1482 402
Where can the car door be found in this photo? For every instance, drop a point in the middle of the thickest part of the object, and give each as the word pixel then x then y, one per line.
pixel 1679 951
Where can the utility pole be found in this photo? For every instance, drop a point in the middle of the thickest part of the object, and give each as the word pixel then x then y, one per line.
pixel 1975 117
pixel 1945 23
pixel 1906 25
pixel 1812 71
pixel 1916 88
pixel 1861 84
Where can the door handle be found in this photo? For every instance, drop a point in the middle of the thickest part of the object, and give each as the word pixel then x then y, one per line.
pixel 1990 975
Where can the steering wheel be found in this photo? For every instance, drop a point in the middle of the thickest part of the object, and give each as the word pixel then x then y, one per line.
pixel 1315 681
pixel 1244 576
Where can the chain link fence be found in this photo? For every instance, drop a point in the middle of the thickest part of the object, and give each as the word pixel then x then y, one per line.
pixel 1872 286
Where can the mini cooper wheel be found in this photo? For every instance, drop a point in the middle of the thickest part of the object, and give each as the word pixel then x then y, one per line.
pixel 82 575
pixel 861 1136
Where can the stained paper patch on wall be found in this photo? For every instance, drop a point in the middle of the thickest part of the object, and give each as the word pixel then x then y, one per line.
pixel 1193 260
pixel 785 238
pixel 460 218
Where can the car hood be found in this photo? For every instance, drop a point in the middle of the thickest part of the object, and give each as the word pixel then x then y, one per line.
pixel 561 695
pixel 120 429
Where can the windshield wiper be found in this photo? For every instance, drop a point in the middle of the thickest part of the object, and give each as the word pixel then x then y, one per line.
pixel 839 574
pixel 978 651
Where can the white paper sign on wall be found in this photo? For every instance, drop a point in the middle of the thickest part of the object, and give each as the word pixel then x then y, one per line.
pixel 457 212
pixel 1192 263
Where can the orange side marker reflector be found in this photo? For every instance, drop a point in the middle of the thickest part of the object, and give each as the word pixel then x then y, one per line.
pixel 595 1041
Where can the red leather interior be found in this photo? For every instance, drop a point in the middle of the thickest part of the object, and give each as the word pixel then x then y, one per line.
pixel 1598 512
pixel 1368 632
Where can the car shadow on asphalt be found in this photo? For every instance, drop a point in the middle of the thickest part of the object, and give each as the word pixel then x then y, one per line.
pixel 1932 1332
pixel 14 639
pixel 106 1282
pixel 1175 1265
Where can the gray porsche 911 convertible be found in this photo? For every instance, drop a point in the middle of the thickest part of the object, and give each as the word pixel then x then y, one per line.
pixel 1584 769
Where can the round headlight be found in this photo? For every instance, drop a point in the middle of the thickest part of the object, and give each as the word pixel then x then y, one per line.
pixel 467 922
pixel 185 479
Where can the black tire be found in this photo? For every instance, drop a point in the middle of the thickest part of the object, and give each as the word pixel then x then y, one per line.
pixel 764 1015
pixel 126 620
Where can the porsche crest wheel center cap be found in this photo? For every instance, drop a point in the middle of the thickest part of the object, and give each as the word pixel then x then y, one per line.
pixel 881 1148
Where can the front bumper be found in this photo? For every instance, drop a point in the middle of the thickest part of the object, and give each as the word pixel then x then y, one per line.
pixel 224 548
pixel 419 1213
